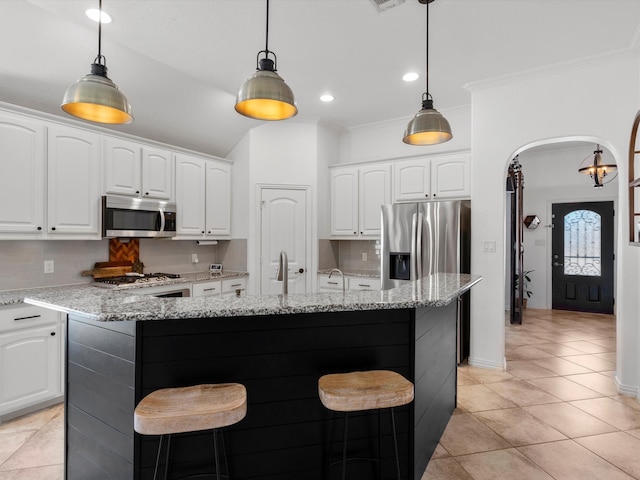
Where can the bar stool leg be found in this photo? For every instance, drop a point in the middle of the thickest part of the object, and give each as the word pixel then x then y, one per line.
pixel 395 442
pixel 155 470
pixel 379 458
pixel 166 464
pixel 344 446
pixel 215 450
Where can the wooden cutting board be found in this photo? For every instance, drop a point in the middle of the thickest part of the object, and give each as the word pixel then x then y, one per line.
pixel 108 269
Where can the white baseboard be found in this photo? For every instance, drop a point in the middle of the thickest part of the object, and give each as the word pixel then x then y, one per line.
pixel 481 363
pixel 631 391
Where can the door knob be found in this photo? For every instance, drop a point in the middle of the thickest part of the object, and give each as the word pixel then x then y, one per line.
pixel 556 264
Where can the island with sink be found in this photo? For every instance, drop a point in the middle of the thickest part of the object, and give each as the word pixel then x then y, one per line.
pixel 122 346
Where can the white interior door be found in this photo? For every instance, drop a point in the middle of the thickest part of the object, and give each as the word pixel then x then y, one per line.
pixel 283 227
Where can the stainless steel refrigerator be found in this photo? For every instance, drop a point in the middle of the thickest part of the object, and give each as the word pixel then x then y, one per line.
pixel 420 239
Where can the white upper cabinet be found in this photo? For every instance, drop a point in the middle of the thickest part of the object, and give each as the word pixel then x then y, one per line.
pixel 432 178
pixel 450 176
pixel 344 201
pixel 73 186
pixel 412 180
pixel 22 171
pixel 357 193
pixel 203 197
pixel 374 190
pixel 137 170
pixel 218 195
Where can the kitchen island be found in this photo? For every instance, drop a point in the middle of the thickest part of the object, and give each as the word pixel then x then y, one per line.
pixel 122 346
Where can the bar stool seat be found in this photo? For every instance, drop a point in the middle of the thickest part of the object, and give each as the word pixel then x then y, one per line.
pixel 190 409
pixel 369 390
pixel 359 391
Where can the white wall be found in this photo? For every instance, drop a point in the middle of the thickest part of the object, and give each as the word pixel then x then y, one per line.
pixel 278 153
pixel 596 99
pixel 552 177
pixel 383 141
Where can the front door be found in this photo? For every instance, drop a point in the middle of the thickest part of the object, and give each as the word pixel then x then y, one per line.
pixel 582 257
pixel 283 227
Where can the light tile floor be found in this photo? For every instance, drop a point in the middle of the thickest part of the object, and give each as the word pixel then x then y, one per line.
pixel 554 414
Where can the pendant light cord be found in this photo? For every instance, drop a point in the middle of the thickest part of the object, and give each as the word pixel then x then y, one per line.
pixel 266 41
pixel 427 55
pixel 100 60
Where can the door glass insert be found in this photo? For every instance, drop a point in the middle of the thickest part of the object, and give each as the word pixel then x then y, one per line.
pixel 582 249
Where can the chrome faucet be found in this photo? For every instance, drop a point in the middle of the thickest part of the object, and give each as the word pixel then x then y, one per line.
pixel 335 270
pixel 283 272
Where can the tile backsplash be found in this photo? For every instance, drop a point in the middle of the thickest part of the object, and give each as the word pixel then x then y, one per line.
pixel 22 261
pixel 348 254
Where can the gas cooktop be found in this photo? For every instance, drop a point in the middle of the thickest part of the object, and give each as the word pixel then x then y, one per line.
pixel 135 278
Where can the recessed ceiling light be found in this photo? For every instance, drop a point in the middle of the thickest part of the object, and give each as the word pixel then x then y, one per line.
pixel 410 77
pixel 94 14
pixel 327 97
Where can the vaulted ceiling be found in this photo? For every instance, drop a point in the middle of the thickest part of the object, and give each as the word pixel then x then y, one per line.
pixel 180 62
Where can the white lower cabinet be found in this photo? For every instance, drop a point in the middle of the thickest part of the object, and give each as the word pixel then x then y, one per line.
pixel 364 283
pixel 206 289
pixel 234 287
pixel 31 343
pixel 227 287
pixel 351 283
pixel 333 284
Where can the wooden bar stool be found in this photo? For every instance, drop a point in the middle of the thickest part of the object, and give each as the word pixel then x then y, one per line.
pixel 191 409
pixel 359 391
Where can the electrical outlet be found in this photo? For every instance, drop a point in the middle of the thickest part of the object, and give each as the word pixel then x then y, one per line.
pixel 364 256
pixel 194 258
pixel 48 266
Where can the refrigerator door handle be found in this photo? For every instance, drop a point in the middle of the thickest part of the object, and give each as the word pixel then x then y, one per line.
pixel 413 265
pixel 419 244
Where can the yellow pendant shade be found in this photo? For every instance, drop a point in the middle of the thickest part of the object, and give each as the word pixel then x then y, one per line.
pixel 266 96
pixel 97 99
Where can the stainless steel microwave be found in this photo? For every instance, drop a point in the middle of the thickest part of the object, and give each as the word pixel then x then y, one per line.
pixel 137 217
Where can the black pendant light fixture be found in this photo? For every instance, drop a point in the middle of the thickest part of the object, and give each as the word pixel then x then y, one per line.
pixel 265 95
pixel 599 171
pixel 428 127
pixel 95 97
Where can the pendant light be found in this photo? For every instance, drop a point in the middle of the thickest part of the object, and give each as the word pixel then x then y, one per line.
pixel 428 127
pixel 95 97
pixel 597 169
pixel 265 95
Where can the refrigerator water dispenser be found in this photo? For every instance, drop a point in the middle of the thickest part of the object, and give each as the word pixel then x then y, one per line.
pixel 400 266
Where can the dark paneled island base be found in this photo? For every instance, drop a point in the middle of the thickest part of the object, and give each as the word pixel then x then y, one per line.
pixel 111 366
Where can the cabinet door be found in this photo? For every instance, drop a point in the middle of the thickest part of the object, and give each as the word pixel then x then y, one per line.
pixel 157 173
pixel 22 184
pixel 73 200
pixel 122 167
pixel 450 177
pixel 190 195
pixel 412 180
pixel 29 366
pixel 206 289
pixel 344 201
pixel 231 286
pixel 375 191
pixel 218 197
pixel 359 283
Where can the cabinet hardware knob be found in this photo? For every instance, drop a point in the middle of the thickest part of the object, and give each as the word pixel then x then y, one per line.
pixel 146 193
pixel 39 228
pixel 53 334
pixel 53 228
pixel 202 231
pixel 137 191
pixel 301 270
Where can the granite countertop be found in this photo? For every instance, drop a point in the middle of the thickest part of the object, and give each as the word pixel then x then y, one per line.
pixel 10 297
pixel 113 305
pixel 353 273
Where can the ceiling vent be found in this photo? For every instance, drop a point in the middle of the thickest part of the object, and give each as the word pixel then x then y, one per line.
pixel 383 5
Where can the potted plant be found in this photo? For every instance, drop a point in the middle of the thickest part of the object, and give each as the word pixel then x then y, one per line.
pixel 526 280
